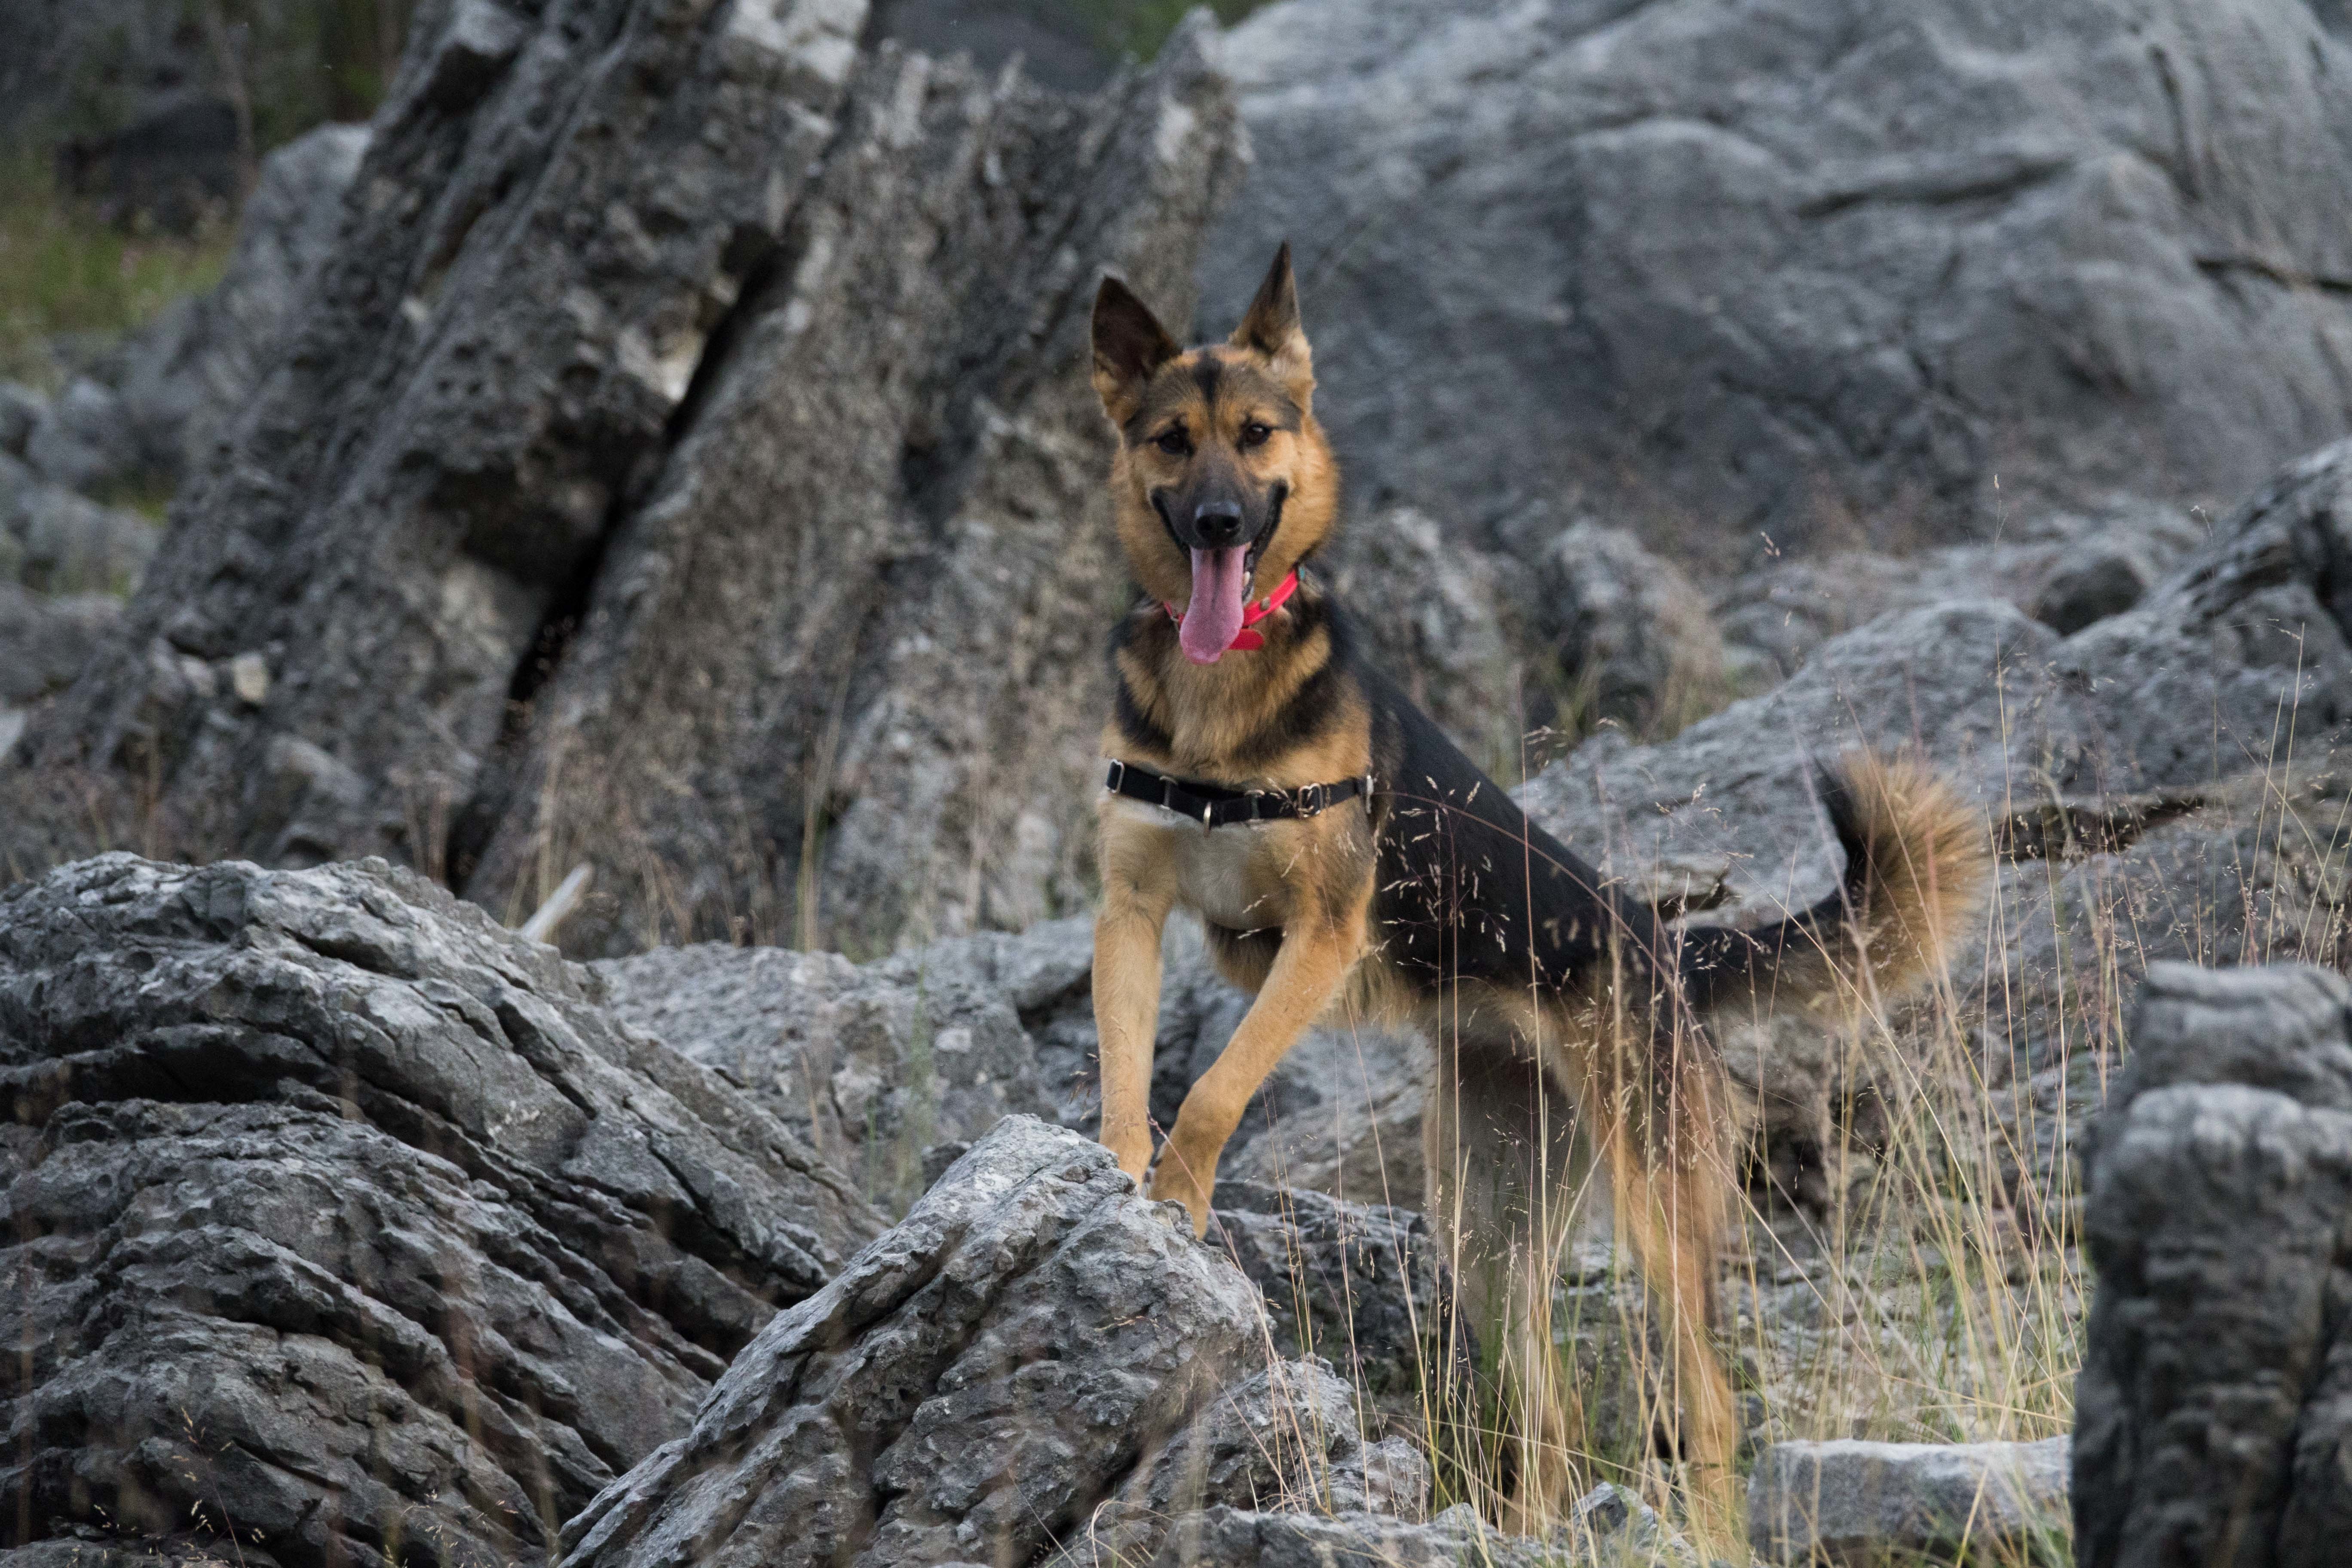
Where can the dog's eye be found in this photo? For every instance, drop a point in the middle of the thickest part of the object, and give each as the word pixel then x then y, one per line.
pixel 1175 444
pixel 1254 433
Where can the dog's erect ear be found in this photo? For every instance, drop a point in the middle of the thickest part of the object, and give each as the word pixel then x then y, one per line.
pixel 1129 344
pixel 1271 331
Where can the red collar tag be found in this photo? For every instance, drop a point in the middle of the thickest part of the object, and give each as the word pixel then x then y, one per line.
pixel 1246 640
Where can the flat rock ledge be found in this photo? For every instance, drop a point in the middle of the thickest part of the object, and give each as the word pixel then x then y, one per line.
pixel 2213 1415
pixel 344 1221
pixel 1870 1503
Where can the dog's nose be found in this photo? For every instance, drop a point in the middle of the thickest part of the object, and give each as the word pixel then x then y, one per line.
pixel 1218 522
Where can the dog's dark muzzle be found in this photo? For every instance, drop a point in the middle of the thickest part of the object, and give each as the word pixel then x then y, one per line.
pixel 1222 521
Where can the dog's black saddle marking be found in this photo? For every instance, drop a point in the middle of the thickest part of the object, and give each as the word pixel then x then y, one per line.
pixel 1214 806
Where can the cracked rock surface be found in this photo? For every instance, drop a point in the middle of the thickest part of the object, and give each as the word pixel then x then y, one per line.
pixel 1798 271
pixel 969 1389
pixel 342 1219
pixel 2212 1414
pixel 691 408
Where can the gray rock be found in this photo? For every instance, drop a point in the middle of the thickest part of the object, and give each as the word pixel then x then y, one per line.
pixel 21 408
pixel 341 1217
pixel 581 410
pixel 1859 1503
pixel 1237 1538
pixel 1283 1440
pixel 1816 267
pixel 971 1388
pixel 1363 1287
pixel 56 541
pixel 871 1065
pixel 2211 1410
pixel 183 380
pixel 45 642
pixel 401 515
pixel 83 439
pixel 1634 640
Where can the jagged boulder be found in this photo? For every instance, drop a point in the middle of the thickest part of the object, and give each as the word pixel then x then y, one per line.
pixel 1792 272
pixel 684 413
pixel 1286 1439
pixel 2211 1418
pixel 971 1388
pixel 1364 1287
pixel 341 1219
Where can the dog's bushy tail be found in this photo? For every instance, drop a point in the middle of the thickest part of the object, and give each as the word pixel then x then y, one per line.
pixel 1916 868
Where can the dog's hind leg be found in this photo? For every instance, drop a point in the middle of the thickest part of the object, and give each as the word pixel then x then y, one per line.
pixel 1654 1099
pixel 1504 1174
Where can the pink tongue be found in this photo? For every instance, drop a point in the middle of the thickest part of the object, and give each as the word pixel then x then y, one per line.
pixel 1215 612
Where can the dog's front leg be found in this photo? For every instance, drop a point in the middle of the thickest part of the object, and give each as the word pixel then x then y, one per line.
pixel 1314 959
pixel 1139 889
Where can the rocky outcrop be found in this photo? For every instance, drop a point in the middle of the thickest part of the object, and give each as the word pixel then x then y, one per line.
pixel 1363 1287
pixel 1855 1504
pixel 342 1219
pixel 1811 269
pixel 875 1065
pixel 2065 570
pixel 2210 1416
pixel 584 453
pixel 2160 785
pixel 1283 1441
pixel 1633 639
pixel 971 1388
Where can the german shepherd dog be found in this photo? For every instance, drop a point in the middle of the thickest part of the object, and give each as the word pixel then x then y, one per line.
pixel 1341 853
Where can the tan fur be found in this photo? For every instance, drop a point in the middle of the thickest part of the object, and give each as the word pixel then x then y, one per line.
pixel 1934 871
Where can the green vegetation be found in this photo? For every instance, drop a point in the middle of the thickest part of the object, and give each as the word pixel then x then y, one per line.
pixel 1139 27
pixel 64 270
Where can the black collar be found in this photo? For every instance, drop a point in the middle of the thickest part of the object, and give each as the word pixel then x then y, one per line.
pixel 1214 806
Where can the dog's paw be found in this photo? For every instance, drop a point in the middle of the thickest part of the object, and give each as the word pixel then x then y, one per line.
pixel 1173 1187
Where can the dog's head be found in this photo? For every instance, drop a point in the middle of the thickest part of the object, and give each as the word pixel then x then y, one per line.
pixel 1224 481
